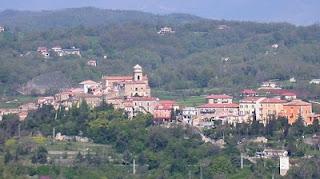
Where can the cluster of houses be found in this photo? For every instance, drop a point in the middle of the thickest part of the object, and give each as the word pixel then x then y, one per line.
pixel 58 51
pixel 166 30
pixel 268 104
pixel 132 93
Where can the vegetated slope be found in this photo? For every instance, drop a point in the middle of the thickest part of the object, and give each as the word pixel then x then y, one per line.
pixel 201 54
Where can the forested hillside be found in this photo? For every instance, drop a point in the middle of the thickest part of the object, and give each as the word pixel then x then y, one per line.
pixel 201 54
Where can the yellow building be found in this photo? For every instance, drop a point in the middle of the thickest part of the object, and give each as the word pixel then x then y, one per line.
pixel 271 107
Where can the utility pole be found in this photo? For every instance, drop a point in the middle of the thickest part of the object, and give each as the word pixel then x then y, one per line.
pixel 190 177
pixel 241 160
pixel 134 167
pixel 19 128
pixel 201 174
pixel 53 133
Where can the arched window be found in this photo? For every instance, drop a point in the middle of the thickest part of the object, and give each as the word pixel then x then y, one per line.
pixel 138 77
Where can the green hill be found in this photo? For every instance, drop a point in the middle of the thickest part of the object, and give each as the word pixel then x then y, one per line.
pixel 202 53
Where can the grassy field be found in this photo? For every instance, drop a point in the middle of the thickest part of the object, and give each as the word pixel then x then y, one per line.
pixel 192 101
pixel 14 102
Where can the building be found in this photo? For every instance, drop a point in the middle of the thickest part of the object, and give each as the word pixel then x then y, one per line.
pixel 315 81
pixel 289 96
pixel 43 51
pixel 2 29
pixel 250 108
pixel 219 107
pixel 292 80
pixel 219 99
pixel 296 108
pixel 189 114
pixel 56 49
pixel 88 86
pixel 284 165
pixel 271 107
pixel 66 52
pixel 272 84
pixel 248 93
pixel 275 46
pixel 164 110
pixel 92 63
pixel 136 85
pixel 166 30
pixel 136 105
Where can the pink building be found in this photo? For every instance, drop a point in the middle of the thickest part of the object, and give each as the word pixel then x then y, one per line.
pixel 163 111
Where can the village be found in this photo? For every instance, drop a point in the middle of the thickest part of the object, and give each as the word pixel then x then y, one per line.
pixel 133 94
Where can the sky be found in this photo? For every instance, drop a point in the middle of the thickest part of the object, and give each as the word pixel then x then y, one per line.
pixel 299 12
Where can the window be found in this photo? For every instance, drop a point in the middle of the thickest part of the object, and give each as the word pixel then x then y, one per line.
pixel 138 77
pixel 136 89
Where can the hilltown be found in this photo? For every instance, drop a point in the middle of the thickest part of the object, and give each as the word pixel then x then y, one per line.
pixel 133 95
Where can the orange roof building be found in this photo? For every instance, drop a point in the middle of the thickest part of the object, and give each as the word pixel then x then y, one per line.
pixel 296 108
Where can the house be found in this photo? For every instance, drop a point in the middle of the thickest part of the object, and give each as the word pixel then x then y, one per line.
pixel 72 51
pixel 219 107
pixel 272 84
pixel 163 112
pixel 56 49
pixel 250 108
pixel 223 27
pixel 43 51
pixel 92 63
pixel 289 96
pixel 219 99
pixel 315 81
pixel 88 86
pixel 91 100
pixel 136 105
pixel 248 93
pixel 128 86
pixel 188 114
pixel 270 153
pixel 271 107
pixel 166 30
pixel 296 108
pixel 292 80
pixel 48 100
pixel 2 29
pixel 227 112
pixel 275 46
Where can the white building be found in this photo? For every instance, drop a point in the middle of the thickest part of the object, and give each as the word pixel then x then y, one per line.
pixel 188 114
pixel 284 165
pixel 2 29
pixel 88 85
pixel 166 30
pixel 315 81
pixel 250 106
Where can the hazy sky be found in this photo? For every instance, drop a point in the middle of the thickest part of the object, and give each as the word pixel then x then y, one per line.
pixel 294 11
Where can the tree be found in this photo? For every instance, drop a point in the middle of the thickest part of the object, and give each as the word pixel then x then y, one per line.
pixel 40 156
pixel 221 165
pixel 7 157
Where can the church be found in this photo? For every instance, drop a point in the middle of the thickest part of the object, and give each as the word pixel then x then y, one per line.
pixel 136 85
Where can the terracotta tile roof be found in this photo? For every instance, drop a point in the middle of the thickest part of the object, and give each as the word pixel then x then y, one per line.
pixel 273 100
pixel 143 99
pixel 220 105
pixel 219 96
pixel 251 99
pixel 117 77
pixel 289 94
pixel 297 102
pixel 248 91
